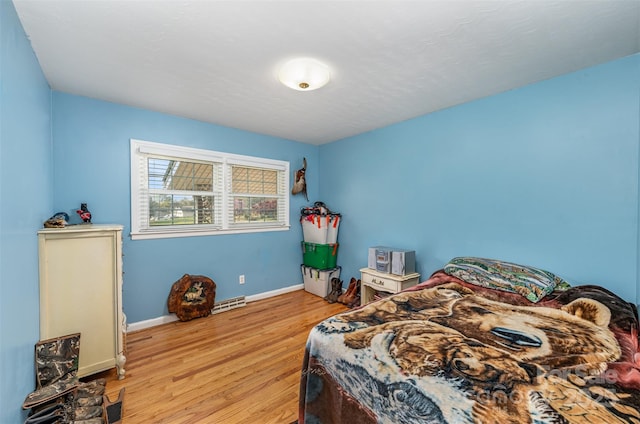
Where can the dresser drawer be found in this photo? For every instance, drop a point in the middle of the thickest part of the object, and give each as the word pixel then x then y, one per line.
pixel 381 283
pixel 374 281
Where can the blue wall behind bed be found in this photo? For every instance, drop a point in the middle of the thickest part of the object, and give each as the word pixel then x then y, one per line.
pixel 545 175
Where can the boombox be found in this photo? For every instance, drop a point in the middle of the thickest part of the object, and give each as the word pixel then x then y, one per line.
pixel 391 260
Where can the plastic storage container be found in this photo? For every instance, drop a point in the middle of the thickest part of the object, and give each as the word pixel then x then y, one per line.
pixel 318 281
pixel 320 229
pixel 320 256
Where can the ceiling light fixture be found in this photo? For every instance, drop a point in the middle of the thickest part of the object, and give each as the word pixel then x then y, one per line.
pixel 304 74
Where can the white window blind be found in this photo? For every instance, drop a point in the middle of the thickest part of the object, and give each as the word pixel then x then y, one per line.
pixel 180 191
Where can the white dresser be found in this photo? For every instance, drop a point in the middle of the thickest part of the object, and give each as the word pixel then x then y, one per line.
pixel 81 292
pixel 372 281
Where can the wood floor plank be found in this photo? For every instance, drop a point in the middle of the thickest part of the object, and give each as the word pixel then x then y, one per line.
pixel 237 366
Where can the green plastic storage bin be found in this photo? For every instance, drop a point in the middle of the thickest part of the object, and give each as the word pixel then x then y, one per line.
pixel 320 256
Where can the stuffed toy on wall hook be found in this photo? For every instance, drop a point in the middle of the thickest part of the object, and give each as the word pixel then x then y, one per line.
pixel 300 183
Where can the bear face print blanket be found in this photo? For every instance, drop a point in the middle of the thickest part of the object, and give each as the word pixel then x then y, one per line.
pixel 450 352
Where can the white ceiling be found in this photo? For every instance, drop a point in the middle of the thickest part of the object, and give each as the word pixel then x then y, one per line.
pixel 217 61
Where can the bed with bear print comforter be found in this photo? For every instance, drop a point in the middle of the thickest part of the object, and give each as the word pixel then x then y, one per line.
pixel 447 351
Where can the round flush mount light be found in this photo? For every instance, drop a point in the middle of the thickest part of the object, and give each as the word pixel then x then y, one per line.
pixel 304 74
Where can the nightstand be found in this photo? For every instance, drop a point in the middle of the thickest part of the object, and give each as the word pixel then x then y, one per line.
pixel 373 281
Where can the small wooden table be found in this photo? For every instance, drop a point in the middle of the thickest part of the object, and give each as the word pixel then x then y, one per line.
pixel 372 281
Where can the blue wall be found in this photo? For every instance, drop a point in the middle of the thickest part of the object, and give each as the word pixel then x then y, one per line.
pixel 545 175
pixel 92 166
pixel 26 194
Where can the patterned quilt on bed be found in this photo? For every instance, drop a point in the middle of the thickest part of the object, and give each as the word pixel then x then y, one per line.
pixel 450 352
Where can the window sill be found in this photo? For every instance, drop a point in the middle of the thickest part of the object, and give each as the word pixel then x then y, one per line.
pixel 149 235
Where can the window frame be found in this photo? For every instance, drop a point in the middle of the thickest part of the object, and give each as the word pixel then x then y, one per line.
pixel 142 230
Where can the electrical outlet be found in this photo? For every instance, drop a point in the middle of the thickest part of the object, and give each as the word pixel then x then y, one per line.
pixel 241 279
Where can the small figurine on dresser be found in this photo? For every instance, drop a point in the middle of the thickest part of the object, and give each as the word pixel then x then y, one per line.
pixel 84 213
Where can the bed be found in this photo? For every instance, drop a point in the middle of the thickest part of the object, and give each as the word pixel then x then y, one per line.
pixel 471 346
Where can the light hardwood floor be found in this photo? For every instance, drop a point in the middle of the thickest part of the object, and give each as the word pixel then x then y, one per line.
pixel 238 366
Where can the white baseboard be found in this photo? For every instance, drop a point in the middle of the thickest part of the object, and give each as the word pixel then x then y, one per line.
pixel 272 293
pixel 141 325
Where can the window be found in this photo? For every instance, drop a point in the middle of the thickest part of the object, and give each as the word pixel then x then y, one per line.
pixel 181 191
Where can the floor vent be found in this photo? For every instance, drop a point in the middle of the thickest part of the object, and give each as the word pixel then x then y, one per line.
pixel 225 305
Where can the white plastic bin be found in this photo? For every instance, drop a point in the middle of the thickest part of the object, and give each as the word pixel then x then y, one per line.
pixel 320 229
pixel 317 281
